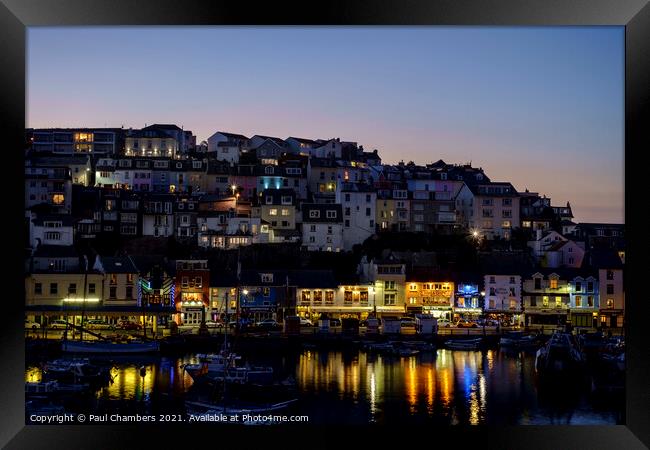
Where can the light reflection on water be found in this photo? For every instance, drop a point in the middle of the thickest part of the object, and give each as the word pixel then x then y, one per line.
pixel 465 387
pixel 444 387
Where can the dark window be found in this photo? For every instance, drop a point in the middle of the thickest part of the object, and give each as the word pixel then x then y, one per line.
pixel 113 292
pixel 91 288
pixel 610 274
pixel 538 283
pixel 38 288
pixel 72 288
pixel 610 289
pixel 129 292
pixel 54 288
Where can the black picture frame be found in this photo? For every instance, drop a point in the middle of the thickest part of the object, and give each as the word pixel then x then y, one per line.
pixel 16 15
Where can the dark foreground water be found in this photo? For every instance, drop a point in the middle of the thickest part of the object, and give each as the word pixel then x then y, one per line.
pixel 446 387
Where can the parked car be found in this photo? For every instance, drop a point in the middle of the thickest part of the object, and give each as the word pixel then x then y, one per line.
pixel 462 323
pixel 213 324
pixel 30 324
pixel 444 323
pixel 98 324
pixel 407 322
pixel 305 322
pixel 58 324
pixel 128 325
pixel 268 324
pixel 335 322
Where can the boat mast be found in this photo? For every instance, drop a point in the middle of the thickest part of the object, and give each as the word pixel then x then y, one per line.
pixel 83 304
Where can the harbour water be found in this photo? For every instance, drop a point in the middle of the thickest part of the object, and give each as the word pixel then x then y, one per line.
pixel 446 387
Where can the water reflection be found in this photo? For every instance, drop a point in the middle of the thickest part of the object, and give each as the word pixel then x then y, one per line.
pixel 449 387
pixel 443 387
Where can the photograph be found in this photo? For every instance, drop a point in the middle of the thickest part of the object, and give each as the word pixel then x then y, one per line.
pixel 325 225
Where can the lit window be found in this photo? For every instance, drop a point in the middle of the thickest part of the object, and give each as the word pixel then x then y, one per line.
pixel 553 283
pixel 58 199
pixel 273 212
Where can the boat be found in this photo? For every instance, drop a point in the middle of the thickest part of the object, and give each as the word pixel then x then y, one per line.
pixel 53 387
pixel 75 371
pixel 110 347
pixel 419 345
pixel 617 360
pixel 403 351
pixel 202 409
pixel 379 347
pixel 560 356
pixel 517 339
pixel 464 344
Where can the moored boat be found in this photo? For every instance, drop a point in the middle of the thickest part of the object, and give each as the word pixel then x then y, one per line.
pixel 560 356
pixel 110 347
pixel 517 339
pixel 464 344
pixel 75 371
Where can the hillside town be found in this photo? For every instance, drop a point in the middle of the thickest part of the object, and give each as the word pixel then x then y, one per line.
pixel 151 225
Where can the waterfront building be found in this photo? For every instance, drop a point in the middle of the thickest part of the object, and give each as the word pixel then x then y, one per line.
pixel 503 296
pixel 386 276
pixel 611 286
pixel 467 297
pixel 584 291
pixel 546 297
pixel 192 291
pixel 430 293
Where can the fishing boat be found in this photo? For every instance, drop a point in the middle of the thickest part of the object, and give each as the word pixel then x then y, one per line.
pixel 110 347
pixel 560 356
pixel 464 344
pixel 517 339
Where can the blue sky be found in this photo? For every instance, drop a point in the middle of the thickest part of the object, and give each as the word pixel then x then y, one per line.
pixel 540 107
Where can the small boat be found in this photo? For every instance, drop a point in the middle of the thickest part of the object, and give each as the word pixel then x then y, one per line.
pixel 419 345
pixel 617 360
pixel 464 344
pixel 517 339
pixel 212 364
pixel 53 387
pixel 37 408
pixel 406 351
pixel 75 371
pixel 243 375
pixel 110 347
pixel 380 347
pixel 200 409
pixel 560 356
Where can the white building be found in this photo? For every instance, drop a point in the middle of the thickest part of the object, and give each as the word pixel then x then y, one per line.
pixel 551 249
pixel 227 146
pixel 51 230
pixel 359 203
pixel 322 227
pixel 502 294
pixel 495 210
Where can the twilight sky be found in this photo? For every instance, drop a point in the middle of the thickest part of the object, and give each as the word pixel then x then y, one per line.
pixel 542 108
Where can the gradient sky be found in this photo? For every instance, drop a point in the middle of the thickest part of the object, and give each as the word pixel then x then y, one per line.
pixel 540 107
